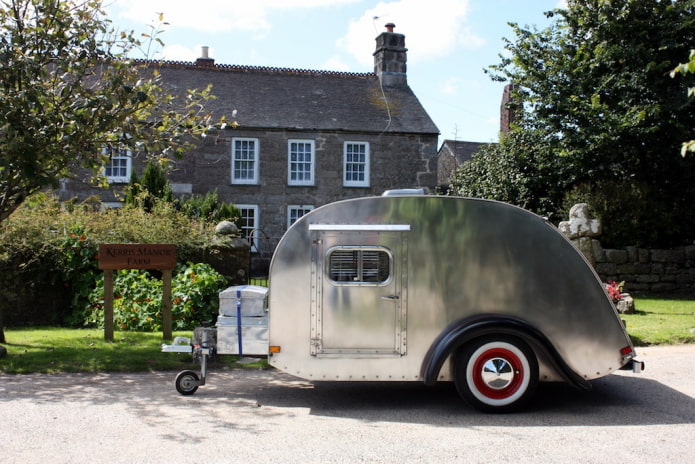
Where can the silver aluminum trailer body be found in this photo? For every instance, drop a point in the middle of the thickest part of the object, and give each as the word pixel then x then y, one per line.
pixel 429 288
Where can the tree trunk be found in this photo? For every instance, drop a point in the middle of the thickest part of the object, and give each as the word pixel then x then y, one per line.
pixel 2 329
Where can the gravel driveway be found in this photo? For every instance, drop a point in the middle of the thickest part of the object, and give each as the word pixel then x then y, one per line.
pixel 267 416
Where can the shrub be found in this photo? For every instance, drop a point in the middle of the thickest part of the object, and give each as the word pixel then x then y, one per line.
pixel 52 247
pixel 138 299
pixel 209 208
pixel 154 187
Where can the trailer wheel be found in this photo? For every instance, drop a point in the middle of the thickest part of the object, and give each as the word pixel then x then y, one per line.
pixel 496 374
pixel 187 382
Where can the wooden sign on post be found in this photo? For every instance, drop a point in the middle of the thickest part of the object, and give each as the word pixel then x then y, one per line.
pixel 137 256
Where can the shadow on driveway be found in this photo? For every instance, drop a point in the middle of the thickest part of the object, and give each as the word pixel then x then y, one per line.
pixel 616 400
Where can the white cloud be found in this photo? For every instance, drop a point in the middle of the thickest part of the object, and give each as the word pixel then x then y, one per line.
pixel 432 29
pixel 214 15
pixel 456 86
pixel 451 86
pixel 183 53
pixel 335 63
pixel 467 39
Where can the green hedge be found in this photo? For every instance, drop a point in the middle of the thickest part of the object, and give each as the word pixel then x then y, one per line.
pixel 48 252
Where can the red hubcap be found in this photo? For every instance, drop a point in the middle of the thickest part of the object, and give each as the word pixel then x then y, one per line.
pixel 498 373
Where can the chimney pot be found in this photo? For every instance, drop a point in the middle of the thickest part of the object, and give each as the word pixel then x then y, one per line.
pixel 205 61
pixel 390 26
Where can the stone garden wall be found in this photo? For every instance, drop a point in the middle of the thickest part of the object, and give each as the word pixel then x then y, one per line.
pixel 648 271
pixel 644 271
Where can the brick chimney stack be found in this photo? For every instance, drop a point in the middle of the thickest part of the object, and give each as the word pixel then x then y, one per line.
pixel 507 111
pixel 390 58
pixel 205 61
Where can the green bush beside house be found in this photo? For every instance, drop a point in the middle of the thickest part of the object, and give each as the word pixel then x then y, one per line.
pixel 48 254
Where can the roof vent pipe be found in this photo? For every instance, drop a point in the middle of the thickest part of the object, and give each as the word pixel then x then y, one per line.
pixel 205 61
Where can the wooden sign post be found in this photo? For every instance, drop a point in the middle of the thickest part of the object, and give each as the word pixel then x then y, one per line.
pixel 137 256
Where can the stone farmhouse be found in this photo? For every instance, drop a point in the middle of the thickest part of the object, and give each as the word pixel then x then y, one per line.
pixel 304 138
pixel 451 155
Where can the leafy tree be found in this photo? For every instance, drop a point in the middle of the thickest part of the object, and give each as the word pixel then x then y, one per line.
pixel 599 120
pixel 154 185
pixel 686 68
pixel 68 90
pixel 518 170
pixel 208 207
pixel 133 190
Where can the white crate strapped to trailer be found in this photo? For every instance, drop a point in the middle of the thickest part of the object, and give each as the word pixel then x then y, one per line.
pixel 242 326
pixel 251 298
pixel 253 340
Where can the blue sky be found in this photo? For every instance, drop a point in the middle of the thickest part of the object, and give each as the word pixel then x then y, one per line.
pixel 449 43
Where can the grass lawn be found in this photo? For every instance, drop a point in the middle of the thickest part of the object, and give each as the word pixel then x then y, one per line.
pixel 53 349
pixel 661 322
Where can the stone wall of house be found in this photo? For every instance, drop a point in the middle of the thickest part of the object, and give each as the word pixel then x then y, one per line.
pixel 397 161
pixel 645 271
pixel 446 167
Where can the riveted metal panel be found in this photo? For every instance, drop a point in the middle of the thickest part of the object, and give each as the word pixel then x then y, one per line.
pixel 458 258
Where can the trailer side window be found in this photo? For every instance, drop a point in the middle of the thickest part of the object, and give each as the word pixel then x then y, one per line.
pixel 359 265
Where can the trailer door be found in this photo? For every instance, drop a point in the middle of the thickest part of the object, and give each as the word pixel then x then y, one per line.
pixel 359 300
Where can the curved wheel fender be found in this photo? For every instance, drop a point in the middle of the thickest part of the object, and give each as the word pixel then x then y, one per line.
pixel 465 330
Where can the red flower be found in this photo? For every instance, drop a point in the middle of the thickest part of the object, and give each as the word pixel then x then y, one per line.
pixel 614 290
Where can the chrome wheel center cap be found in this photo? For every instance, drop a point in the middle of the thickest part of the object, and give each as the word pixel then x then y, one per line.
pixel 497 373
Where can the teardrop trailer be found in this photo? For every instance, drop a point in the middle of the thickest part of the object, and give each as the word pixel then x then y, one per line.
pixel 409 287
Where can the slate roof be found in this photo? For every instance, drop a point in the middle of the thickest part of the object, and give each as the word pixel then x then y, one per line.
pixel 281 98
pixel 462 151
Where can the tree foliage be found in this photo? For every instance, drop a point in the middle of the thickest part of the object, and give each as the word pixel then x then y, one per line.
pixel 519 170
pixel 687 68
pixel 68 88
pixel 208 207
pixel 153 186
pixel 599 119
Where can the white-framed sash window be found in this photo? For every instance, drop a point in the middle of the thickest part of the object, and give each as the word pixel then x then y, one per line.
pixel 119 165
pixel 294 212
pixel 250 223
pixel 356 164
pixel 300 162
pixel 245 160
